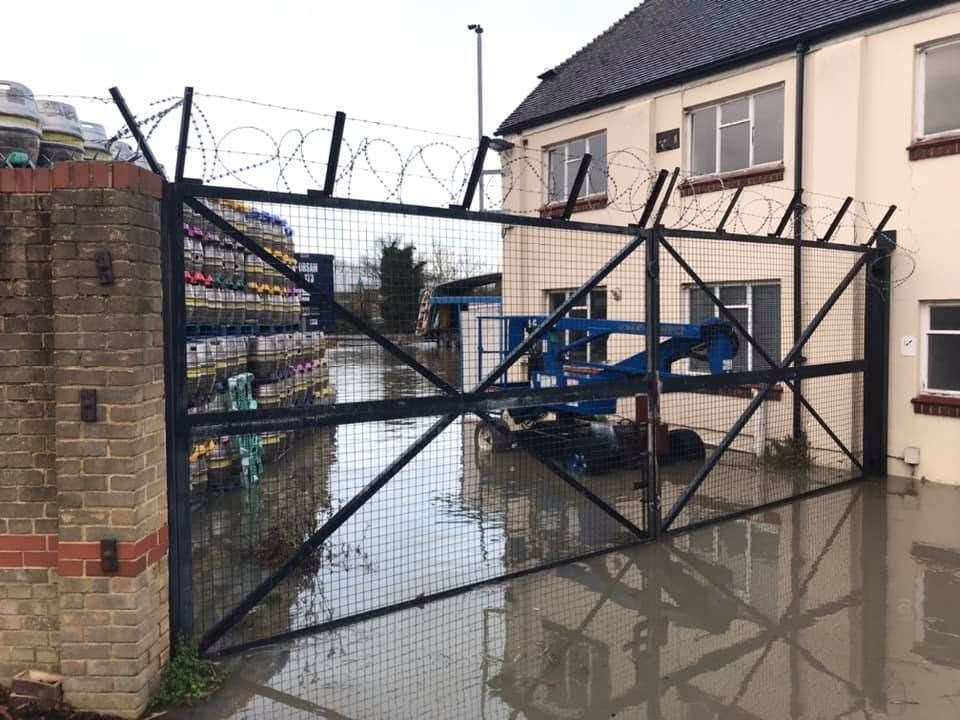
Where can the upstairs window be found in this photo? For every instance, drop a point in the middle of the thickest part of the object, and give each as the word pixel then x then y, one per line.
pixel 563 161
pixel 938 82
pixel 737 134
pixel 940 348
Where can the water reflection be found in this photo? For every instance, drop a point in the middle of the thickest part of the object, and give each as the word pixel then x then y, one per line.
pixel 844 606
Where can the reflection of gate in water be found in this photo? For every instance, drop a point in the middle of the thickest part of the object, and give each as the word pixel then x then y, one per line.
pixel 654 406
pixel 719 621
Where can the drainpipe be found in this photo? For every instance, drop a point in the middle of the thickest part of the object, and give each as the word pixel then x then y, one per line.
pixel 798 231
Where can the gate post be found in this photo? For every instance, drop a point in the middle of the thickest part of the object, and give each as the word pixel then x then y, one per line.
pixel 178 440
pixel 652 312
pixel 876 341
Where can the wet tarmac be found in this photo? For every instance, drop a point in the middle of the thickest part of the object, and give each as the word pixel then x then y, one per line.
pixel 842 606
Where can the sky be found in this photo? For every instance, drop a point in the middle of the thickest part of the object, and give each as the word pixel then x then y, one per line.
pixel 407 63
pixel 410 63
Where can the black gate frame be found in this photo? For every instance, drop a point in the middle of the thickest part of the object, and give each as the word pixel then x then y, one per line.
pixel 450 402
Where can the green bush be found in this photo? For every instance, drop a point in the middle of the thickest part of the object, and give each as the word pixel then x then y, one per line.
pixel 186 679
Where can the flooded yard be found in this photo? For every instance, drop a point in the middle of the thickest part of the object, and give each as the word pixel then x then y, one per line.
pixel 841 606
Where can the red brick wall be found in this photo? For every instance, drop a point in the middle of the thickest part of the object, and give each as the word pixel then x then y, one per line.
pixel 65 484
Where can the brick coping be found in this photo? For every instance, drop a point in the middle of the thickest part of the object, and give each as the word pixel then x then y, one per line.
pixel 82 175
pixel 81 559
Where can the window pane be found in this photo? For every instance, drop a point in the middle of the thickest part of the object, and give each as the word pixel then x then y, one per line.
pixel 735 110
pixel 701 309
pixel 766 323
pixel 944 368
pixel 733 294
pixel 734 147
pixel 556 300
pixel 704 150
pixel 575 150
pixel 598 304
pixel 555 160
pixel 597 178
pixel 740 361
pixel 573 336
pixel 598 311
pixel 768 127
pixel 945 317
pixel 941 100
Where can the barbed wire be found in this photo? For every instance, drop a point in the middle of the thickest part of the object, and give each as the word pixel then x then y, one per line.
pixel 397 164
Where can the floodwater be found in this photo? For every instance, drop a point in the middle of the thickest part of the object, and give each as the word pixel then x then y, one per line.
pixel 846 605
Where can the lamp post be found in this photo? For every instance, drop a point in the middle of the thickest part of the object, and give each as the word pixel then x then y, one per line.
pixel 478 31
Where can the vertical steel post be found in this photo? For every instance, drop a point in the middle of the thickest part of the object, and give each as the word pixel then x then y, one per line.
pixel 185 111
pixel 798 231
pixel 876 353
pixel 177 434
pixel 652 312
pixel 333 157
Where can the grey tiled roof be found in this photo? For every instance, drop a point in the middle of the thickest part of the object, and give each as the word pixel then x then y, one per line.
pixel 663 41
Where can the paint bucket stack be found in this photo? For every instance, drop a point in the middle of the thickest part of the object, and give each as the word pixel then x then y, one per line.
pixel 19 122
pixel 61 137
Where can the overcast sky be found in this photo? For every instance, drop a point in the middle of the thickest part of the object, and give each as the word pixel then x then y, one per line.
pixel 408 62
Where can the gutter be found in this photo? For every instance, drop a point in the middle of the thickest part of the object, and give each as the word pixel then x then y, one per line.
pixel 895 12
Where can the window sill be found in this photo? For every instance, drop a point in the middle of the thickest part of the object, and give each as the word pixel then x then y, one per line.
pixel 935 147
pixel 727 181
pixel 940 405
pixel 591 202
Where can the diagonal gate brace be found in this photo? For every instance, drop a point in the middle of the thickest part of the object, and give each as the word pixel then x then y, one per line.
pixel 301 282
pixel 741 422
pixel 732 319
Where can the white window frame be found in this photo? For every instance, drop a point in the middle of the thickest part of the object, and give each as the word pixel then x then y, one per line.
pixel 925 346
pixel 587 305
pixel 751 98
pixel 715 289
pixel 568 174
pixel 921 90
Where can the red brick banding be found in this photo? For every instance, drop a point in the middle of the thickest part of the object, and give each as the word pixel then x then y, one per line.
pixel 592 202
pixel 938 405
pixel 938 147
pixel 730 181
pixel 82 176
pixel 81 559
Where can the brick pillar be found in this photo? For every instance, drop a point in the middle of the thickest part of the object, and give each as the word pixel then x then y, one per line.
pixel 102 480
pixel 29 610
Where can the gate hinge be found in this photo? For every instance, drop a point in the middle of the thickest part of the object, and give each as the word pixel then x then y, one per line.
pixel 104 262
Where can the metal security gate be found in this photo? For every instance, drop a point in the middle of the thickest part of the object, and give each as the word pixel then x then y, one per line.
pixel 605 384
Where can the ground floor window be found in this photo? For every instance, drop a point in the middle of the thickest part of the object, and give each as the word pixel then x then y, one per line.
pixel 593 306
pixel 756 306
pixel 940 348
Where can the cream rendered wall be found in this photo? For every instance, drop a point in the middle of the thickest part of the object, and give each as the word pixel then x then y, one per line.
pixel 859 110
pixel 928 223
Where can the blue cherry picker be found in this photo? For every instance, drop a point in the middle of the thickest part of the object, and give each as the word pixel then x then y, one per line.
pixel 587 437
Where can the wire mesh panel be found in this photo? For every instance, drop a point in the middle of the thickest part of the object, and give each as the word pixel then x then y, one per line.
pixel 319 492
pixel 383 404
pixel 764 439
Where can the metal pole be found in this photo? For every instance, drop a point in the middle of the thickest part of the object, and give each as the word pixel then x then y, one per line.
pixel 186 109
pixel 652 302
pixel 478 29
pixel 797 208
